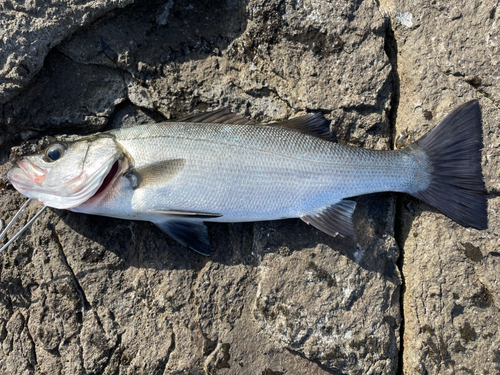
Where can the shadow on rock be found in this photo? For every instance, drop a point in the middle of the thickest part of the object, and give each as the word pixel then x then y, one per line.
pixel 107 63
pixel 143 245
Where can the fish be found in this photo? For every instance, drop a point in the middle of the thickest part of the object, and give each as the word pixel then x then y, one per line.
pixel 221 167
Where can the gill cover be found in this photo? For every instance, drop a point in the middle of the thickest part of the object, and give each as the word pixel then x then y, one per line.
pixel 66 175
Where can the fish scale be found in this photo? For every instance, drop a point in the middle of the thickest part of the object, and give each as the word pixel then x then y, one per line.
pixel 251 172
pixel 180 174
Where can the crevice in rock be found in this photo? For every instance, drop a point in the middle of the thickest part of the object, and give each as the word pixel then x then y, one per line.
pixel 476 83
pixel 81 293
pixel 275 92
pixel 391 50
pixel 208 344
pixel 402 289
pixel 69 57
pixel 114 119
pixel 85 303
pixel 362 108
pixel 493 193
pixel 265 92
pixel 33 350
pixel 480 90
pixel 320 365
pixel 114 352
pixel 163 364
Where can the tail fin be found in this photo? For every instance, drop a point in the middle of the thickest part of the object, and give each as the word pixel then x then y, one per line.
pixel 454 150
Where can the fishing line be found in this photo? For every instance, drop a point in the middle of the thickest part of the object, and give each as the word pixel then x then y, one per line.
pixel 21 210
pixel 28 224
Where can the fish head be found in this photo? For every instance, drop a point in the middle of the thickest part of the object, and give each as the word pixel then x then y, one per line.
pixel 67 174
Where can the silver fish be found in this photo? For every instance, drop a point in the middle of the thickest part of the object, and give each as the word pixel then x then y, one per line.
pixel 220 167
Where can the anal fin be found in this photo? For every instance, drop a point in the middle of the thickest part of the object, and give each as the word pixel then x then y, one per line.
pixel 335 219
pixel 192 234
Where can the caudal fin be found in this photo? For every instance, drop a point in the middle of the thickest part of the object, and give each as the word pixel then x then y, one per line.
pixel 454 150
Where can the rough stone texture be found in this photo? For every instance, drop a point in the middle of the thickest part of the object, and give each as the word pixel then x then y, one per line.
pixel 84 294
pixel 447 54
pixel 93 295
pixel 73 104
pixel 29 29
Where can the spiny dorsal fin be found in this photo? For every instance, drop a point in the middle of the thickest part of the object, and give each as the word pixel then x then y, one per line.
pixel 156 174
pixel 313 124
pixel 335 219
pixel 219 116
pixel 192 234
pixel 186 214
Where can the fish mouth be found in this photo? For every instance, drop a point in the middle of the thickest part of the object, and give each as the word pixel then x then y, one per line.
pixel 108 181
pixel 32 171
pixel 27 178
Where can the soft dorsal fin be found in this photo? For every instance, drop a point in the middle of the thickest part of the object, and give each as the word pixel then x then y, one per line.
pixel 156 174
pixel 313 124
pixel 192 234
pixel 335 219
pixel 219 116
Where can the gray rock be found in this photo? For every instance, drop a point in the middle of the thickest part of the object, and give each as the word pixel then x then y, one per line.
pixel 451 299
pixel 29 29
pixel 59 101
pixel 84 294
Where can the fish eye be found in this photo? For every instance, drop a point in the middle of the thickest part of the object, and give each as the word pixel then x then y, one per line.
pixel 55 151
pixel 45 142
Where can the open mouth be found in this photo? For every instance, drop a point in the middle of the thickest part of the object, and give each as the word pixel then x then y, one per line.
pixel 108 179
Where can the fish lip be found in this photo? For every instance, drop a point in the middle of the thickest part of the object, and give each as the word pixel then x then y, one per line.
pixel 26 183
pixel 32 171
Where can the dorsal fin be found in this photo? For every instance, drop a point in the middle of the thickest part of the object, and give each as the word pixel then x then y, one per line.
pixel 313 124
pixel 219 116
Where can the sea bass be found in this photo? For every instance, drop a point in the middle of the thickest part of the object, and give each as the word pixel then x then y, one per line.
pixel 220 167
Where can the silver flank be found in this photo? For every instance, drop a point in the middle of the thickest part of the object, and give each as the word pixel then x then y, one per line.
pixel 250 172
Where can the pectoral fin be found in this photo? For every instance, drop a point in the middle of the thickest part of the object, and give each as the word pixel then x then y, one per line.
pixel 156 174
pixel 192 234
pixel 335 219
pixel 186 214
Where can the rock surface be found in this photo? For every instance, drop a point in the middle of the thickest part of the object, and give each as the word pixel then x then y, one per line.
pixel 30 29
pixel 447 55
pixel 93 295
